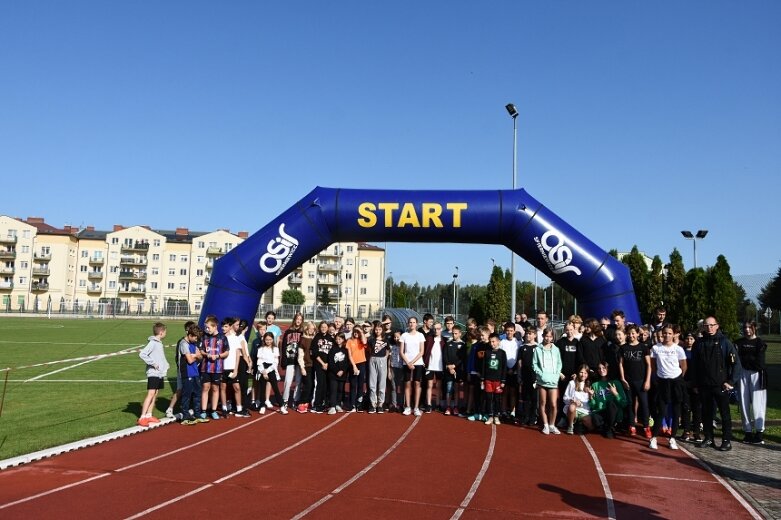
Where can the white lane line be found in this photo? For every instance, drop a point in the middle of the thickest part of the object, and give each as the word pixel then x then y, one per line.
pixel 125 468
pixel 611 506
pixel 238 472
pixel 748 507
pixel 629 475
pixel 134 381
pixel 63 369
pixel 358 475
pixel 479 478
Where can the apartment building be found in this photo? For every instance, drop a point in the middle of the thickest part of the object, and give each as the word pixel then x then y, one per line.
pixel 143 270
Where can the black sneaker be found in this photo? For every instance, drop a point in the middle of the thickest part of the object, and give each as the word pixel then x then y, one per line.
pixel 243 414
pixel 748 438
pixel 725 446
pixel 757 438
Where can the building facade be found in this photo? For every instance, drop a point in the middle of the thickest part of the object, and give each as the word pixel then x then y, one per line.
pixel 143 271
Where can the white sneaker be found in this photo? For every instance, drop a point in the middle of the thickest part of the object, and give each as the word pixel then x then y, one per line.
pixel 339 409
pixel 417 412
pixel 546 430
pixel 332 411
pixel 490 420
pixel 170 413
pixel 268 404
pixel 554 430
pixel 407 411
pixel 652 444
pixel 497 421
pixel 673 444
pixel 262 410
pixel 283 410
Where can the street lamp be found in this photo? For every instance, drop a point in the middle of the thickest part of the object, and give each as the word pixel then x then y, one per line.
pixel 514 114
pixel 493 263
pixel 699 236
pixel 455 297
pixel 390 279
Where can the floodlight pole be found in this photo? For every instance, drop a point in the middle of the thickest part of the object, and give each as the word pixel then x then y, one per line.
pixel 514 114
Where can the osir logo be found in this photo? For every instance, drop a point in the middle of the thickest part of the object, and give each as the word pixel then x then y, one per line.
pixel 278 252
pixel 558 256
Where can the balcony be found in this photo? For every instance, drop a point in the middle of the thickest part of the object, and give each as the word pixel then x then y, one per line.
pixel 295 279
pixel 132 260
pixel 7 255
pixel 129 276
pixel 95 275
pixel 42 257
pixel 328 280
pixel 41 271
pixel 8 239
pixel 210 264
pixel 97 260
pixel 214 251
pixel 6 286
pixel 7 270
pixel 94 288
pixel 137 247
pixel 331 253
pixel 329 266
pixel 132 290
pixel 40 286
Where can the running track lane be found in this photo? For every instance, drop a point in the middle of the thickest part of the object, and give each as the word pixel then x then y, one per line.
pixel 662 483
pixel 209 451
pixel 428 476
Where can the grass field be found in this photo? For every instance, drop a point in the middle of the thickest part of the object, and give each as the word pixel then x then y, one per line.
pixel 77 378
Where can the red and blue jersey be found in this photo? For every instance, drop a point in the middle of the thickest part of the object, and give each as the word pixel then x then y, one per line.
pixel 213 346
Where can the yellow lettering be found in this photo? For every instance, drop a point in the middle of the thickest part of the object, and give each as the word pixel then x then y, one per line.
pixel 457 208
pixel 388 208
pixel 408 216
pixel 431 214
pixel 366 210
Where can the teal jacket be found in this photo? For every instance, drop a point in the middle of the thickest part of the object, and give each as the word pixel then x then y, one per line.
pixel 547 366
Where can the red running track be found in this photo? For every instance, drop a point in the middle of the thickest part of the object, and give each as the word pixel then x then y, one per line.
pixel 360 465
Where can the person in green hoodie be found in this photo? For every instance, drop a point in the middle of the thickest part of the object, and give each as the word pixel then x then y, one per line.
pixel 547 369
pixel 607 401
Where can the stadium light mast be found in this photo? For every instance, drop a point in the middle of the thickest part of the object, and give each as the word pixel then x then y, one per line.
pixel 514 114
pixel 688 235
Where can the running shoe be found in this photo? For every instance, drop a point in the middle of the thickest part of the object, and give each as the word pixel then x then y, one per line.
pixel 339 409
pixel 169 413
pixel 417 412
pixel 632 431
pixel 497 421
pixel 490 420
pixel 243 413
pixel 447 411
pixel 203 419
pixel 153 420
pixel 283 410
pixel 302 408
pixel 332 411
pixel 570 430
pixel 268 404
pixel 673 445
pixel 555 431
pixel 215 416
pixel 652 444
pixel 372 410
pixel 189 422
pixel 407 411
pixel 143 421
pixel 380 410
pixel 648 433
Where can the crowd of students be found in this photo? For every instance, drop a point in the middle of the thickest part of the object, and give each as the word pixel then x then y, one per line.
pixel 601 375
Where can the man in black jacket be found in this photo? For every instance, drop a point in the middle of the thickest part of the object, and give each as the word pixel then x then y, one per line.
pixel 716 371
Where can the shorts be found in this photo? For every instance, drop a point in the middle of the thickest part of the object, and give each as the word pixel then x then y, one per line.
pixel 416 374
pixel 211 378
pixel 430 375
pixel 492 387
pixel 155 383
pixel 227 379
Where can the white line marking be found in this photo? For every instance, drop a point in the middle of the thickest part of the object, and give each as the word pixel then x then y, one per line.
pixel 611 507
pixel 125 468
pixel 129 350
pixel 63 369
pixel 238 472
pixel 358 475
pixel 479 478
pixel 628 475
pixel 134 381
pixel 753 512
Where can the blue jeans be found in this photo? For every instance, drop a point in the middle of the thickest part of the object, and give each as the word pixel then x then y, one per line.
pixel 191 393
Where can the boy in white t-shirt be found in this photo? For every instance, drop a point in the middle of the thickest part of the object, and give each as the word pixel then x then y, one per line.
pixel 411 351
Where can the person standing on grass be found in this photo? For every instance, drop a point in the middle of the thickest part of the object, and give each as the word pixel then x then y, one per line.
pixel 189 356
pixel 753 383
pixel 547 369
pixel 156 368
pixel 178 390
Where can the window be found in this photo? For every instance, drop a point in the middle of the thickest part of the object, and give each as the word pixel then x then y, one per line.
pixel 361 310
pixel 156 242
pixel 128 242
pixel 183 258
pixel 153 285
pixel 201 245
pixel 228 246
pixel 348 290
pixel 112 284
pixel 349 261
pixel 364 277
pixel 25 249
pixel 311 275
pixel 182 286
pixel 197 306
pixel 363 291
pixel 199 272
pixel 46 250
pixel 115 240
pixel 172 272
pixel 310 289
pixel 83 268
pixel 82 283
pixel 155 257
pixel 25 233
pixel 348 276
pixel 24 265
pixel 84 253
pixel 114 268
pixel 183 272
pixel 199 259
pixel 199 287
pixel 155 271
pixel 170 285
pixel 22 280
pixel 364 263
pixel 11 233
pixel 349 249
pixel 172 258
pixel 114 255
pixel 312 260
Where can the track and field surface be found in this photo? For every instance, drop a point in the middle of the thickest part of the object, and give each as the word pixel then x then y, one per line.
pixel 360 465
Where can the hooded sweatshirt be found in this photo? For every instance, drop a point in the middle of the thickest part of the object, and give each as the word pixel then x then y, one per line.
pixel 547 365
pixel 153 355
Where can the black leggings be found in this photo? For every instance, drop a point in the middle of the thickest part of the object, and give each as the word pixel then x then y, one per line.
pixel 636 390
pixel 272 380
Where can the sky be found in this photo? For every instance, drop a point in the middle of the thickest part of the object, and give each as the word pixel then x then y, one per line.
pixel 636 119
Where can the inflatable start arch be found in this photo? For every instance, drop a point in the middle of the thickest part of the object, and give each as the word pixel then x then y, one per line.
pixel 509 217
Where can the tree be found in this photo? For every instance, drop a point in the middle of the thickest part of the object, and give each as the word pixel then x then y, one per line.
pixel 721 290
pixel 771 293
pixel 497 302
pixel 655 289
pixel 293 297
pixel 696 301
pixel 639 273
pixel 746 308
pixel 675 287
pixel 325 296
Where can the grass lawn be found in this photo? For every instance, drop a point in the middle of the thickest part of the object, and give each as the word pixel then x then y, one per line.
pixel 83 396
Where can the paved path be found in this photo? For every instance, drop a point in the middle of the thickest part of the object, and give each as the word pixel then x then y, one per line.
pixel 754 470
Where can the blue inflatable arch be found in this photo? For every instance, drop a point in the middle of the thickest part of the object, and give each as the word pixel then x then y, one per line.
pixel 509 217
